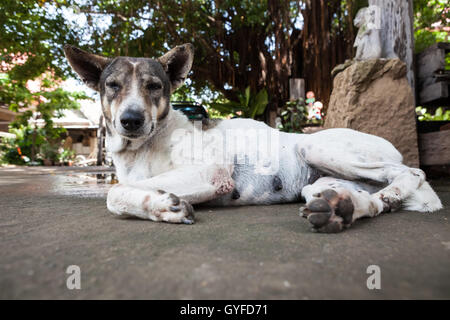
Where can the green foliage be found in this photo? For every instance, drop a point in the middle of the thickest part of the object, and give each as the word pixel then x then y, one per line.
pixel 66 155
pixel 36 28
pixel 19 150
pixel 236 41
pixel 45 104
pixel 249 105
pixel 427 13
pixel 219 30
pixel 425 38
pixel 447 61
pixel 31 49
pixel 293 117
pixel 226 35
pixel 181 94
pixel 49 151
pixel 213 113
pixel 440 114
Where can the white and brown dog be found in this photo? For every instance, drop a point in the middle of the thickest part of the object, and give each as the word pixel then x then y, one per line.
pixel 343 175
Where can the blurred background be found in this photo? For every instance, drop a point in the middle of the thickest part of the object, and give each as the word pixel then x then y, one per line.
pixel 263 59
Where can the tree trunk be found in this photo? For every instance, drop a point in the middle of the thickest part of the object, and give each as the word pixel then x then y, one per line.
pixel 327 40
pixel 100 140
pixel 280 68
pixel 397 37
pixel 33 145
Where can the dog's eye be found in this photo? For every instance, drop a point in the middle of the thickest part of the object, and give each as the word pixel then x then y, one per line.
pixel 154 86
pixel 113 85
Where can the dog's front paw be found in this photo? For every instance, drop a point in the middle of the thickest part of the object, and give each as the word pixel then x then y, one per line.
pixel 185 208
pixel 170 208
pixel 329 212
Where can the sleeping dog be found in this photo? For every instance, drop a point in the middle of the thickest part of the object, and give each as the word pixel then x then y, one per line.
pixel 165 163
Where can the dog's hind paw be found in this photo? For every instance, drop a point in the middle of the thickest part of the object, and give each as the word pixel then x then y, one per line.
pixel 329 212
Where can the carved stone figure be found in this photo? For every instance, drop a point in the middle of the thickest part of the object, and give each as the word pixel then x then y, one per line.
pixel 386 31
pixel 368 42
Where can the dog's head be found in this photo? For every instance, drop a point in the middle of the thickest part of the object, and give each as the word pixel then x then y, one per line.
pixel 135 92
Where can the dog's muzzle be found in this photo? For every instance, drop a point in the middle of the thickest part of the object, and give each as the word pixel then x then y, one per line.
pixel 132 120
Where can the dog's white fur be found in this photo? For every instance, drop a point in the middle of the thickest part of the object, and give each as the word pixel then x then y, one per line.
pixel 156 185
pixel 345 155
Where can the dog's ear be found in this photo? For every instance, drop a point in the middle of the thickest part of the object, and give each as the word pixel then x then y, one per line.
pixel 89 66
pixel 177 63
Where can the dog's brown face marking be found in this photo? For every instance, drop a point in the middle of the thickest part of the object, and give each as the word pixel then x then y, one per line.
pixel 135 92
pixel 137 84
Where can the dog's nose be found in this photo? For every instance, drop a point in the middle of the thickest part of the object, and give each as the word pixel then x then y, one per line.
pixel 132 120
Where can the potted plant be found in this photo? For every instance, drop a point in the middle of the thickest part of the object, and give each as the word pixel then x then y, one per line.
pixel 66 156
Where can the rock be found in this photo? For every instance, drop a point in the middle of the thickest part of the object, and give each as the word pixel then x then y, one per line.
pixel 373 96
pixel 341 67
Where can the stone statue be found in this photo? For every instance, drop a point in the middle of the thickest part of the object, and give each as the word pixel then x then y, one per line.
pixel 385 32
pixel 368 40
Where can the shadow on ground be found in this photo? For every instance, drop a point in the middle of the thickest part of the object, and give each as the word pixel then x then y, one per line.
pixel 50 219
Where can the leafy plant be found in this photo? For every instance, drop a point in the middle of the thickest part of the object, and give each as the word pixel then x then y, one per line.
pixel 426 14
pixel 46 146
pixel 18 150
pixel 294 116
pixel 66 155
pixel 425 38
pixel 49 151
pixel 439 115
pixel 249 105
pixel 43 103
pixel 32 67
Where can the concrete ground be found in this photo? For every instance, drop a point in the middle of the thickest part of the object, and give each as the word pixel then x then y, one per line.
pixel 51 219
